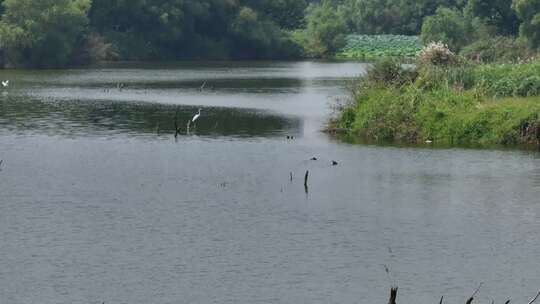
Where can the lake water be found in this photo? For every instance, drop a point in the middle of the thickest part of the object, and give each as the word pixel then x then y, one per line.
pixel 100 203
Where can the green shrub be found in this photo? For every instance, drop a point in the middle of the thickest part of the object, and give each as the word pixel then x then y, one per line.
pixel 437 53
pixel 497 49
pixel 458 77
pixel 508 79
pixel 447 26
pixel 389 71
pixel 529 86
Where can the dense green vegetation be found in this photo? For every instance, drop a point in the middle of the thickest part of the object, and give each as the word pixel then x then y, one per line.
pixel 447 100
pixel 373 47
pixel 51 33
pixel 476 80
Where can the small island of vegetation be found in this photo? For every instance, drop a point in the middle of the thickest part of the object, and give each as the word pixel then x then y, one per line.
pixel 475 81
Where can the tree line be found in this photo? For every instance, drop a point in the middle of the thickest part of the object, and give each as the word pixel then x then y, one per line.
pixel 55 33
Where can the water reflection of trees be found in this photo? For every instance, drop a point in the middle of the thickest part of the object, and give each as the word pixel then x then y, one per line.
pixel 99 118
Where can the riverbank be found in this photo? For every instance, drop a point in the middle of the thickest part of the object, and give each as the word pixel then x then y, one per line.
pixel 451 103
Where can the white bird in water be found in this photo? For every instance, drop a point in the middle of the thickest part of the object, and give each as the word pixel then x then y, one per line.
pixel 5 84
pixel 196 117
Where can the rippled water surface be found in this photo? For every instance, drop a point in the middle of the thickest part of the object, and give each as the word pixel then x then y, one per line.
pixel 99 202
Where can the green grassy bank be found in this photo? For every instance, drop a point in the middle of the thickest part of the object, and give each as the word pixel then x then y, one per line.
pixel 458 103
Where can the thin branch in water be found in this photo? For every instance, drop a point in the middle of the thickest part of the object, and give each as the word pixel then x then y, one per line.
pixel 535 298
pixel 201 88
pixel 441 301
pixel 176 127
pixel 306 177
pixel 389 276
pixel 469 301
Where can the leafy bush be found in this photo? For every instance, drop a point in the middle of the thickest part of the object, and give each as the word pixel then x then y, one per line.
pixel 390 72
pixel 94 48
pixel 509 79
pixel 437 53
pixel 497 49
pixel 448 26
pixel 529 86
pixel 459 77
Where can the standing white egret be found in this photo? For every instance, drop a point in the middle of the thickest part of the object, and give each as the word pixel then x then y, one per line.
pixel 196 117
pixel 5 84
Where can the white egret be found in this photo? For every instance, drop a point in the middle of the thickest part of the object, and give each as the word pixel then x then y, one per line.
pixel 196 117
pixel 5 84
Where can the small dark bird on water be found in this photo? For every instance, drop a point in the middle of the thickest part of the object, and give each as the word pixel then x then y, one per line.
pixel 334 163
pixel 313 158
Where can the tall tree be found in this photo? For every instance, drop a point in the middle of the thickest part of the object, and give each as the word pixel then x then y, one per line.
pixel 496 13
pixel 42 33
pixel 325 31
pixel 529 12
pixel 448 26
